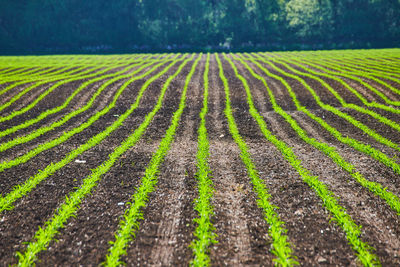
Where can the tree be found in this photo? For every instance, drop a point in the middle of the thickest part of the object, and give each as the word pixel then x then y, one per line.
pixel 309 19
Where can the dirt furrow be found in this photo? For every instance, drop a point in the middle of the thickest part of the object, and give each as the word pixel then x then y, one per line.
pixel 315 240
pixel 98 218
pixel 74 122
pixel 379 222
pixel 12 92
pixel 166 232
pixel 238 221
pixel 58 152
pixel 34 209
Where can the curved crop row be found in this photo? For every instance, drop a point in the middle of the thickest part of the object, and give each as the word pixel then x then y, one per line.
pixel 36 133
pixel 368 65
pixel 371 113
pixel 351 229
pixel 281 248
pixel 51 89
pixel 130 222
pixel 71 204
pixel 391 199
pixel 54 110
pixel 43 73
pixel 372 66
pixel 352 74
pixel 366 149
pixel 6 164
pixel 18 82
pixel 80 71
pixel 332 75
pixel 334 110
pixel 22 189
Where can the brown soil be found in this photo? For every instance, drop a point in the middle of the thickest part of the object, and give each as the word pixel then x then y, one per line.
pixel 166 231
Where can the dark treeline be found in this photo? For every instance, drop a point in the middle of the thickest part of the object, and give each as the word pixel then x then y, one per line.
pixel 101 26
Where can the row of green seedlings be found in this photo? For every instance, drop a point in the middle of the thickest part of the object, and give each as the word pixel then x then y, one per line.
pixel 364 148
pixel 67 101
pixel 324 72
pixel 364 65
pixel 6 202
pixel 312 74
pixel 26 72
pixel 352 73
pixel 45 70
pixel 204 232
pixel 349 67
pixel 383 65
pixel 37 83
pixel 351 229
pixel 379 138
pixel 6 164
pixel 337 66
pixel 47 92
pixel 133 214
pixel 40 131
pixel 391 199
pixel 42 73
pixel 370 55
pixel 375 75
pixel 58 60
pixel 59 108
pixel 281 248
pixel 84 71
pixel 69 74
pixel 41 68
pixel 17 82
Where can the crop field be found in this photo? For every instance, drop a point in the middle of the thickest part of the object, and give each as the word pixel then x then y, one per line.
pixel 247 159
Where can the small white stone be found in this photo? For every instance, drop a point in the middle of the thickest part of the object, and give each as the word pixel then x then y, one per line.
pixel 80 161
pixel 221 136
pixel 120 203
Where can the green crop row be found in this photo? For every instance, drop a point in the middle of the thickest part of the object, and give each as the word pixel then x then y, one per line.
pixel 204 231
pixel 348 66
pixel 367 149
pixel 368 66
pixel 29 80
pixel 351 229
pixel 392 200
pixel 352 74
pixel 130 222
pixel 36 133
pixel 365 64
pixel 347 86
pixel 379 138
pixel 18 82
pixel 22 189
pixel 42 70
pixel 371 113
pixel 42 73
pixel 280 246
pixel 48 91
pixel 66 135
pixel 71 204
pixel 66 75
pixel 68 100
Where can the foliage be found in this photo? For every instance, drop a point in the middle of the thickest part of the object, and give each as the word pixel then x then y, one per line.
pixel 130 223
pixel 100 26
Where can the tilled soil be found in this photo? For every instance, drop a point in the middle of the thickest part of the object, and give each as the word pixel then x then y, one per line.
pixel 166 231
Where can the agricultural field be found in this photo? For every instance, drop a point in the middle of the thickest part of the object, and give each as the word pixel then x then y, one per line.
pixel 252 159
